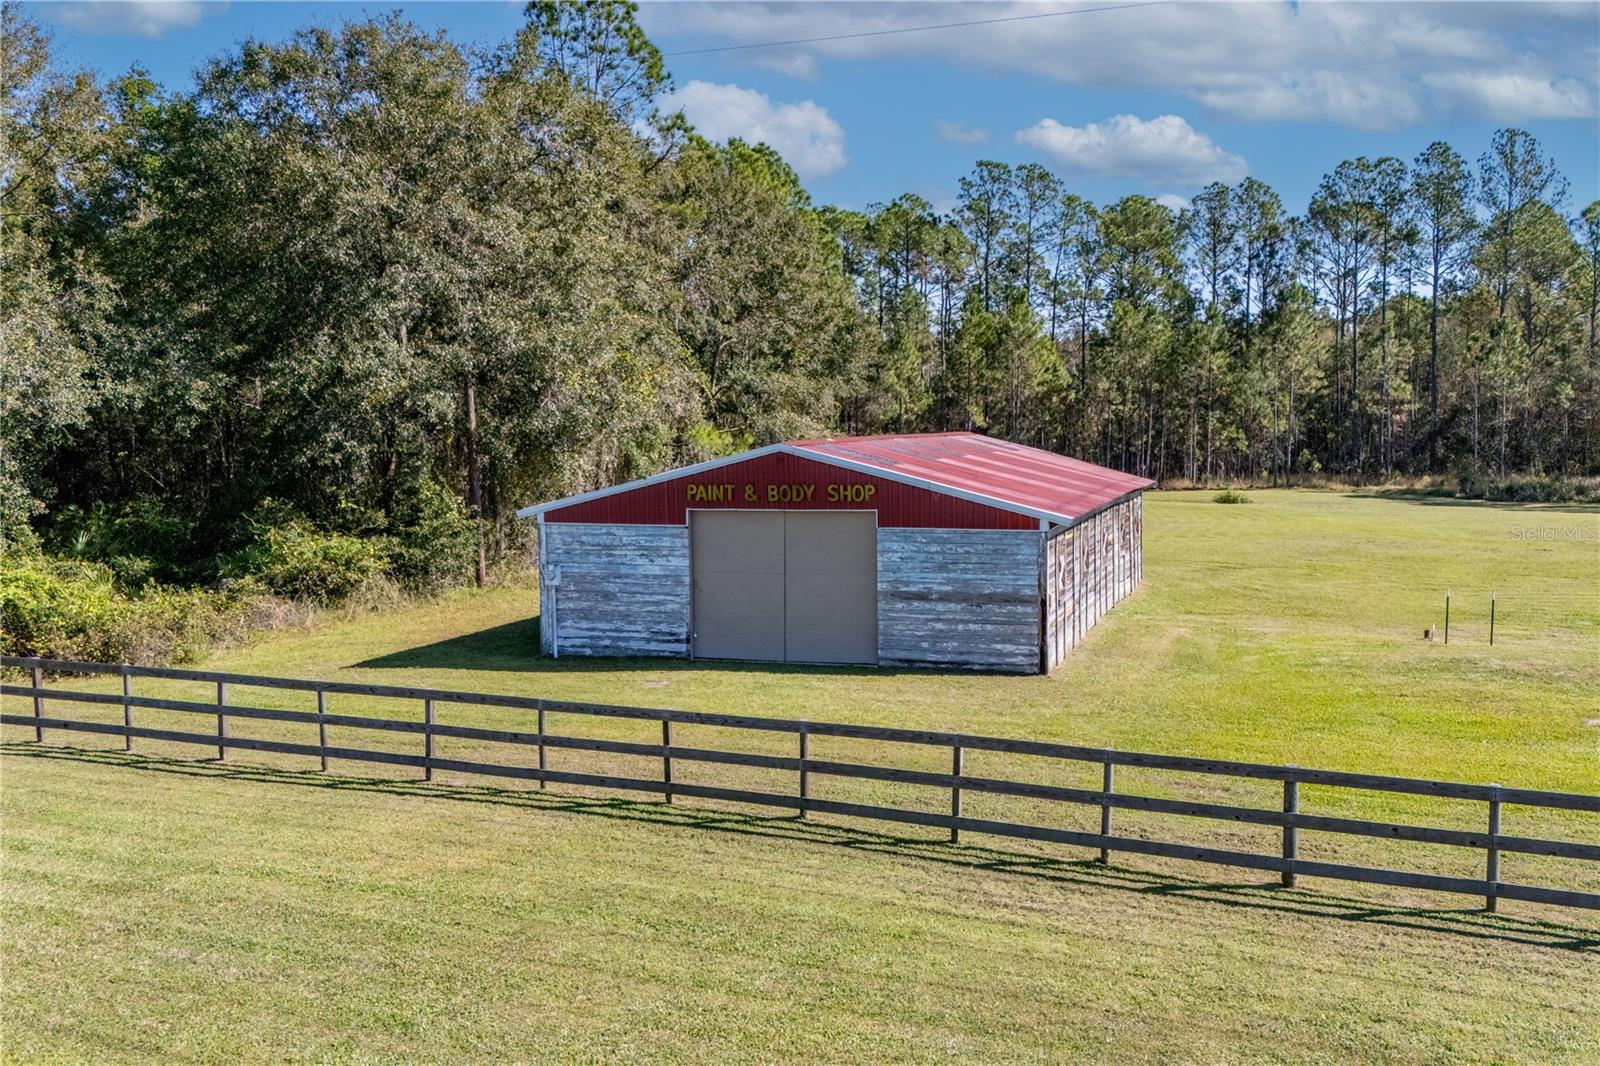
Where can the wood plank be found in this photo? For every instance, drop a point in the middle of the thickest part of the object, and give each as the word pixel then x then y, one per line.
pixel 1346 779
pixel 1219 812
pixel 979 595
pixel 953 822
pixel 210 740
pixel 948 598
pixel 624 589
pixel 1012 625
pixel 977 666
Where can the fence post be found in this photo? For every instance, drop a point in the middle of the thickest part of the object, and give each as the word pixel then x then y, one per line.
pixel 322 726
pixel 1291 842
pixel 1107 782
pixel 222 721
pixel 38 706
pixel 1492 597
pixel 666 759
pixel 427 740
pixel 805 777
pixel 1447 616
pixel 542 782
pixel 955 791
pixel 1491 896
pixel 127 710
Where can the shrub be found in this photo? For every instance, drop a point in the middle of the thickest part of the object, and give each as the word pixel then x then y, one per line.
pixel 293 559
pixel 71 609
pixel 59 615
pixel 432 542
pixel 1230 496
pixel 141 540
pixel 1542 488
pixel 1475 484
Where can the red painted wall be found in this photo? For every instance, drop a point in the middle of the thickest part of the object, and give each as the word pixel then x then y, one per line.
pixel 789 482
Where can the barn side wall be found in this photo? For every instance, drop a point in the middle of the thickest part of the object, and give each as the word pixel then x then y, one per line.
pixel 1089 566
pixel 965 598
pixel 613 589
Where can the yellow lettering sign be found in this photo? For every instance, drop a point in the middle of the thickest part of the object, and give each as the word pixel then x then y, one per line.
pixel 851 493
pixel 790 493
pixel 709 493
pixel 779 494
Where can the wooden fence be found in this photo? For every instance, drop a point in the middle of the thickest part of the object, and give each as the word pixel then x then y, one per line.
pixel 1287 862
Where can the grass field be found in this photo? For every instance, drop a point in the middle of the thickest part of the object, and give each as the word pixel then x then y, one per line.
pixel 163 906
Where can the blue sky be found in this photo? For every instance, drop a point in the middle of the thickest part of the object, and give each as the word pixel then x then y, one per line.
pixel 1157 100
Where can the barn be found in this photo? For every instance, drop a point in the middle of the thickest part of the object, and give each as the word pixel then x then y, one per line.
pixel 941 549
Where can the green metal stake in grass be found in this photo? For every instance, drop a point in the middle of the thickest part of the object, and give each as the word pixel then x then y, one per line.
pixel 1447 616
pixel 1491 618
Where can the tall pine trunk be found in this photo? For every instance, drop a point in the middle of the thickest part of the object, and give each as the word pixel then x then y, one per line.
pixel 474 478
pixel 1433 367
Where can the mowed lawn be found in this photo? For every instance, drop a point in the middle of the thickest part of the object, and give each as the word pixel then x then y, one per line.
pixel 161 906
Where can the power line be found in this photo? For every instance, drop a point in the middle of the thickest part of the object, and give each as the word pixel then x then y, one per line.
pixel 916 29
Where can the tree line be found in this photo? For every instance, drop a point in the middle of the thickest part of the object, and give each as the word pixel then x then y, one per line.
pixel 371 280
pixel 1421 317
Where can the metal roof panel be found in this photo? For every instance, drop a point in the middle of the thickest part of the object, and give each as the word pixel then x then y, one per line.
pixel 1010 474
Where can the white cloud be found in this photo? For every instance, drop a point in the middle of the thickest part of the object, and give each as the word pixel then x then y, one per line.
pixel 145 18
pixel 1165 148
pixel 1369 65
pixel 1173 202
pixel 805 134
pixel 1509 97
pixel 961 133
pixel 1320 96
pixel 802 65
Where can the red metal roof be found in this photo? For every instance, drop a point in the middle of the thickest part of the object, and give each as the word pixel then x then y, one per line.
pixel 1009 474
pixel 934 480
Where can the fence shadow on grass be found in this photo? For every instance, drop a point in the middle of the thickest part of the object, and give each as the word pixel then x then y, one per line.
pixel 1082 873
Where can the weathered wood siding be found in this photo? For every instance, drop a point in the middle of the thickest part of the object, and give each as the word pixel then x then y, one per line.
pixel 1060 588
pixel 967 598
pixel 1089 566
pixel 1010 600
pixel 613 589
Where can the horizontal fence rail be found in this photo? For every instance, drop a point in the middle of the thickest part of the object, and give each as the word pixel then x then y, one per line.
pixel 1287 863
